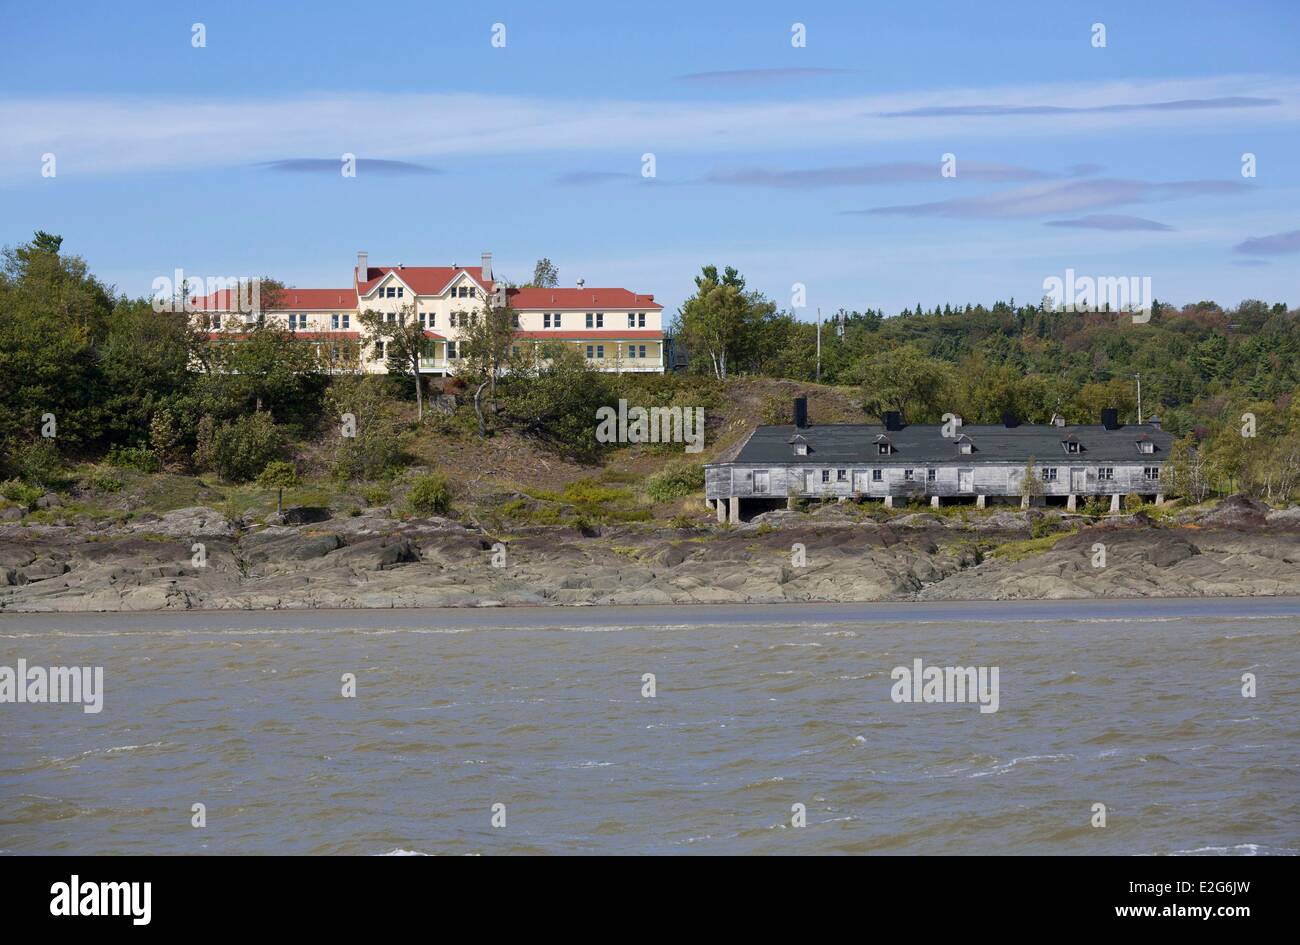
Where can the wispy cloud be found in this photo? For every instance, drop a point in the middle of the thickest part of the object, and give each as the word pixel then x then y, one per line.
pixel 1275 244
pixel 589 178
pixel 1115 221
pixel 757 76
pixel 332 166
pixel 1003 111
pixel 1052 199
pixel 866 175
pixel 132 134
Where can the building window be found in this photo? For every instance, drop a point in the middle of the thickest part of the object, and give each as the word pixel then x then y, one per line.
pixel 595 319
pixel 762 480
pixel 1151 472
pixel 600 352
pixel 841 475
pixel 801 449
pixel 908 475
pixel 877 475
pixel 514 351
pixel 334 321
pixel 381 350
pixel 591 352
pixel 1072 447
pixel 1146 446
pixel 930 475
pixel 347 320
pixel 1106 473
pixel 826 475
pixel 965 447
pixel 1048 473
pixel 642 351
pixel 451 351
pixel 640 319
pixel 883 449
pixel 631 319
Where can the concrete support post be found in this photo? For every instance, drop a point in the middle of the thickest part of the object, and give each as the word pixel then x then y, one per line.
pixel 934 501
pixel 722 511
pixel 1160 498
pixel 889 501
pixel 981 501
pixel 1024 501
pixel 735 510
pixel 1072 503
pixel 792 502
pixel 1114 503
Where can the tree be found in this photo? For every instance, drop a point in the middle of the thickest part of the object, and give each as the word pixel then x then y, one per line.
pixel 554 400
pixel 545 275
pixel 1030 484
pixel 404 343
pixel 905 380
pixel 720 318
pixel 486 346
pixel 278 475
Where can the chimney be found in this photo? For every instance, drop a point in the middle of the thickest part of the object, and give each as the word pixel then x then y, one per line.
pixel 1110 418
pixel 1058 420
pixel 363 267
pixel 487 267
pixel 801 412
pixel 1010 420
pixel 1154 421
pixel 893 420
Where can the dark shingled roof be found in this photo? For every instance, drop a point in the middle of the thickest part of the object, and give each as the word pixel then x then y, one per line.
pixel 855 443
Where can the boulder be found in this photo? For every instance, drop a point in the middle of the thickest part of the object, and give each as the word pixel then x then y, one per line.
pixel 398 552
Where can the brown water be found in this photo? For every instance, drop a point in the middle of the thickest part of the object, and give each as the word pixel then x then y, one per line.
pixel 1137 706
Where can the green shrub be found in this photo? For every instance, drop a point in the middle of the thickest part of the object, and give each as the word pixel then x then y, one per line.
pixel 375 495
pixel 38 463
pixel 135 457
pixel 239 450
pixel 101 480
pixel 20 493
pixel 676 481
pixel 430 495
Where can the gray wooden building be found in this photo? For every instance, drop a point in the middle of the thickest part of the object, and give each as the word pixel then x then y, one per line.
pixel 984 463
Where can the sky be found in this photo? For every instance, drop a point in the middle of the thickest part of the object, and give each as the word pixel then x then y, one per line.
pixel 524 129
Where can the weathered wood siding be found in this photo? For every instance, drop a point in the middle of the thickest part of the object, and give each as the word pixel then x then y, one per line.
pixel 725 481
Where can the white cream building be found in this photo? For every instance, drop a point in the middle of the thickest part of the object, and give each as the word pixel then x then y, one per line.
pixel 616 330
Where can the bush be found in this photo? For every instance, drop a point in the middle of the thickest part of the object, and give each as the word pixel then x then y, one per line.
pixel 101 480
pixel 239 450
pixel 38 463
pixel 676 481
pixel 135 457
pixel 20 493
pixel 430 495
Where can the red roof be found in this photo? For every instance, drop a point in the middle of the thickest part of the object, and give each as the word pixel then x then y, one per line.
pixel 423 280
pixel 305 335
pixel 287 300
pixel 584 299
pixel 595 335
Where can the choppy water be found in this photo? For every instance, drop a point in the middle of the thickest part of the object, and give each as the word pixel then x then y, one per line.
pixel 1137 706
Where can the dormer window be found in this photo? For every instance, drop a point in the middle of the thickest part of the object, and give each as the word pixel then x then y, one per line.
pixel 965 445
pixel 1145 444
pixel 800 445
pixel 1072 444
pixel 883 446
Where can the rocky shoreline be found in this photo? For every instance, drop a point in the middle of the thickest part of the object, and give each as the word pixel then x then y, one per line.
pixel 312 560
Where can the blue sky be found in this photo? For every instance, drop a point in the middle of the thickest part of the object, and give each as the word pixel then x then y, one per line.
pixel 818 165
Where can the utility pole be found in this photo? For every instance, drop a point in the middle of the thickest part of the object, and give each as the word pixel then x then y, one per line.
pixel 819 344
pixel 1139 380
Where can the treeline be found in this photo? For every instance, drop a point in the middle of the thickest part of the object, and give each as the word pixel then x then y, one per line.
pixel 1205 370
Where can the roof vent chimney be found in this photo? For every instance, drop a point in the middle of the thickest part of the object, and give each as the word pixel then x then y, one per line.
pixel 1058 420
pixel 801 412
pixel 1154 421
pixel 581 283
pixel 1110 418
